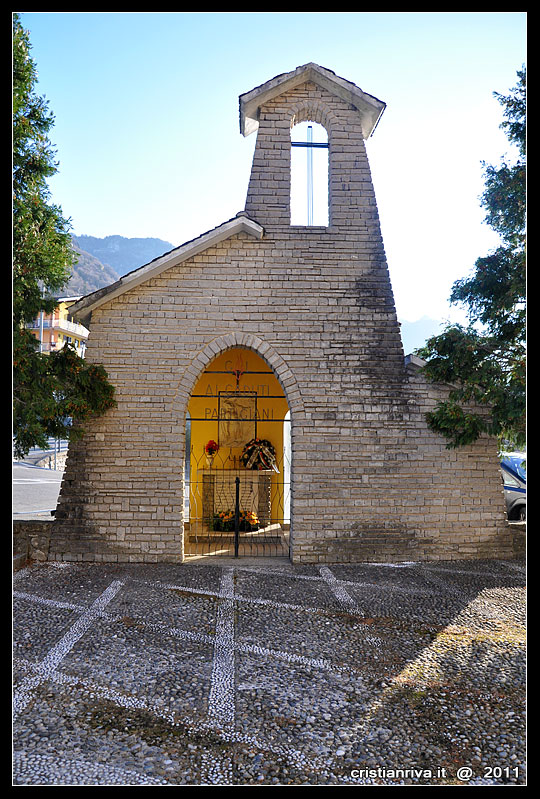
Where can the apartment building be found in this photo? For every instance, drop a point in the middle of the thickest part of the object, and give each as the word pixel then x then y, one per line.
pixel 58 328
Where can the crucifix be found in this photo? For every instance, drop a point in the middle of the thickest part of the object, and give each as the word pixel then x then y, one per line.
pixel 309 144
pixel 239 371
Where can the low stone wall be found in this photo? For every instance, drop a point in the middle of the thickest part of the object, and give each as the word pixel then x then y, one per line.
pixel 50 461
pixel 519 538
pixel 31 538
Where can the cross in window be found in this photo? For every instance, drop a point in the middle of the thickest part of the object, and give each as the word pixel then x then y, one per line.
pixel 309 144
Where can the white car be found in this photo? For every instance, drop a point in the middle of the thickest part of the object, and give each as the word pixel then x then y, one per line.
pixel 514 472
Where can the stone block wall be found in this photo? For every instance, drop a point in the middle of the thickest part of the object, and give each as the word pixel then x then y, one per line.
pixel 31 538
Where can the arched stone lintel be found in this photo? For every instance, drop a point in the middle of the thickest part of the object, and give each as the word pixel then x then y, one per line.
pixel 247 341
pixel 313 111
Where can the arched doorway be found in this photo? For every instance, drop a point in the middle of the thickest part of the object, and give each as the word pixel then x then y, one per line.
pixel 238 460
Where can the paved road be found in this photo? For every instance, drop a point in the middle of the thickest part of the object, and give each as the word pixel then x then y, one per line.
pixel 34 489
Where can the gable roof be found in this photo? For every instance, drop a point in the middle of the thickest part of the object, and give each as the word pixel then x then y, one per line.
pixel 369 108
pixel 241 223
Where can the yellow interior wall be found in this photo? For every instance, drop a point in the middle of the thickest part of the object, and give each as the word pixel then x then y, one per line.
pixel 203 408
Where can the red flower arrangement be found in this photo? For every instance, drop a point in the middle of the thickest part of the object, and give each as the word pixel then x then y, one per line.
pixel 211 448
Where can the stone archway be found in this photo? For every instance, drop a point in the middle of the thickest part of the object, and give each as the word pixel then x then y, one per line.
pixel 250 342
pixel 284 385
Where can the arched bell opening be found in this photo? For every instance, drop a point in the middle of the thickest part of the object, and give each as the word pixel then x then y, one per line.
pixel 309 175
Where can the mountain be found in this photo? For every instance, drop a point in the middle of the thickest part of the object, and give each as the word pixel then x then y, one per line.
pixel 89 274
pixel 102 261
pixel 123 254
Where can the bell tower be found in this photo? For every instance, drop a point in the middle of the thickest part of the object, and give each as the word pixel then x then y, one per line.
pixel 349 116
pixel 345 259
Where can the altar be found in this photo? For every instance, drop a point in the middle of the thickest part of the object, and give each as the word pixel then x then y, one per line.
pixel 219 493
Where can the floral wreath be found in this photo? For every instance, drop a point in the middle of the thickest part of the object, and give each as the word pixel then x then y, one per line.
pixel 259 454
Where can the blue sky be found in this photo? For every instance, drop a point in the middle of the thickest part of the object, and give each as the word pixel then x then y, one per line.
pixel 148 141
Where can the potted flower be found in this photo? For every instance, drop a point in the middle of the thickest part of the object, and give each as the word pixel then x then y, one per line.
pixel 210 451
pixel 224 521
pixel 249 521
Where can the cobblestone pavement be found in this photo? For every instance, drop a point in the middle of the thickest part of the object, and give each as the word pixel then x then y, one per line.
pixel 269 674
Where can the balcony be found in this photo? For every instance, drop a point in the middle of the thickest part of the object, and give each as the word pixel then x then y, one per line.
pixel 72 328
pixel 60 325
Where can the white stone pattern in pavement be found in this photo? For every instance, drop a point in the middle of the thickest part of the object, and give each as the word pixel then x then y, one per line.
pixel 221 708
pixel 341 593
pixel 55 656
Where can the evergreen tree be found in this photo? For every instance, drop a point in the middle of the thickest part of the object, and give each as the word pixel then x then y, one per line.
pixel 49 390
pixel 485 361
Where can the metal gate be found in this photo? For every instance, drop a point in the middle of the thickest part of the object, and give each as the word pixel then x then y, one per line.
pixel 234 511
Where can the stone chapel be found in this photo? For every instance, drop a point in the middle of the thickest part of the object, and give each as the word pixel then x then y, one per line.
pixel 265 404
